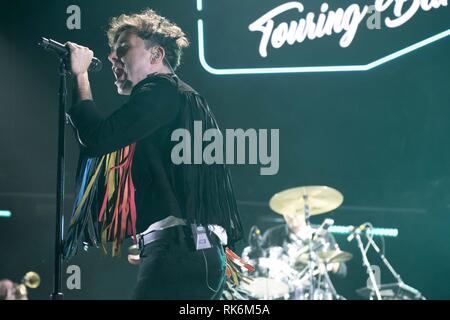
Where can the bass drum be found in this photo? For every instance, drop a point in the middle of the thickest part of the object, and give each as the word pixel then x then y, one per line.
pixel 262 288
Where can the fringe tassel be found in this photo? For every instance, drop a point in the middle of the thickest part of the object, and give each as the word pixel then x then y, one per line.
pixel 118 209
pixel 234 266
pixel 105 181
pixel 208 188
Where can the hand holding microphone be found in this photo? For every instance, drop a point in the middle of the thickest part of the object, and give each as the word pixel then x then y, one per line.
pixel 81 58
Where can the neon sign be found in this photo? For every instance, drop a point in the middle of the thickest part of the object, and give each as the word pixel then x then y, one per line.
pixel 330 21
pixel 309 26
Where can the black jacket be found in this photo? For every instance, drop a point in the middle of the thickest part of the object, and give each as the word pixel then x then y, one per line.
pixel 157 106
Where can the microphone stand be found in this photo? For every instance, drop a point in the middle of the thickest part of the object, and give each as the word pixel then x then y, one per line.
pixel 96 65
pixel 59 225
pixel 366 263
pixel 400 282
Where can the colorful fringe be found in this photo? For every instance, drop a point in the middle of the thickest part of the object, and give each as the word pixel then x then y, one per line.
pixel 118 202
pixel 234 266
pixel 106 180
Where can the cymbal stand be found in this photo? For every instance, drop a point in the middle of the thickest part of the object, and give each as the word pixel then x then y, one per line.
pixel 329 284
pixel 311 257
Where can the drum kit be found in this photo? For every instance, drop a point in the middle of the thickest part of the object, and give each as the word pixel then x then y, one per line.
pixel 294 261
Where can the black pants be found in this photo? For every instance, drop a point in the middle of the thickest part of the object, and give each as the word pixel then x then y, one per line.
pixel 171 269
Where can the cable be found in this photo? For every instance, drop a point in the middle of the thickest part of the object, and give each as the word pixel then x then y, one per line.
pixel 170 67
pixel 206 273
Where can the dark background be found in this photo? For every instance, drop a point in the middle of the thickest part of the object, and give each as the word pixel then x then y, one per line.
pixel 380 137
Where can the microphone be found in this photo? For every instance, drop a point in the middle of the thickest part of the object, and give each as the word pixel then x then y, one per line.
pixel 255 237
pixel 356 230
pixel 64 52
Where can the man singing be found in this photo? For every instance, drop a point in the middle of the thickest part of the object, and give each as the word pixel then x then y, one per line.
pixel 181 216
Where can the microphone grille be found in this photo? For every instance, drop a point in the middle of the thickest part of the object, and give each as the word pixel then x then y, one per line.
pixel 96 65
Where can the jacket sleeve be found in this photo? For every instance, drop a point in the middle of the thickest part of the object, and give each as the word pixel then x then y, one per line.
pixel 154 105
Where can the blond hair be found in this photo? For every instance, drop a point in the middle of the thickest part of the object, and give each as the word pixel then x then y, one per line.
pixel 154 28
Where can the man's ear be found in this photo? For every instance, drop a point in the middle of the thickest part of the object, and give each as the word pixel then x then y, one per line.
pixel 157 54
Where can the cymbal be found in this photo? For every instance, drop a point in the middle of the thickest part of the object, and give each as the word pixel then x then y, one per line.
pixel 326 257
pixel 321 199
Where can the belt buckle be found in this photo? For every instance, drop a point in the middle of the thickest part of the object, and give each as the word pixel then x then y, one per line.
pixel 134 253
pixel 141 242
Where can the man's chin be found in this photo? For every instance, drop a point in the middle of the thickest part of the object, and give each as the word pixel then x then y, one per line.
pixel 124 88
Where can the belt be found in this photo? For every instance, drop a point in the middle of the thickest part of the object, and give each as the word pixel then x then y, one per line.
pixel 167 233
pixel 145 239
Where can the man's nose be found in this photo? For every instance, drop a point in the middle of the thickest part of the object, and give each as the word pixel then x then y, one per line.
pixel 112 57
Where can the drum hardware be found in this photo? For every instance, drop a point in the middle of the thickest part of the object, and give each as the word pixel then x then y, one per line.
pixel 297 205
pixel 296 262
pixel 323 286
pixel 306 201
pixel 303 202
pixel 392 291
pixel 270 281
pixel 311 256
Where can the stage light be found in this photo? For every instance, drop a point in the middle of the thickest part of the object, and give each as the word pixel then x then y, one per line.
pixel 380 232
pixel 5 214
